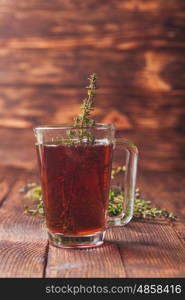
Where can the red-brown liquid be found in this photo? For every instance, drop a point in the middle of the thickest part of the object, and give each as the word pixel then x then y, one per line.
pixel 75 182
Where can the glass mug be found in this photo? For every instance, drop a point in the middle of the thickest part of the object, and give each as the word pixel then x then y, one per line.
pixel 75 179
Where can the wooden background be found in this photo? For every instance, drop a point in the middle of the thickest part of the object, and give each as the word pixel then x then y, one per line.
pixel 137 47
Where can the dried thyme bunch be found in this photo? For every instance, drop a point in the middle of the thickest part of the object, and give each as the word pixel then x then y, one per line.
pixel 143 209
pixel 83 121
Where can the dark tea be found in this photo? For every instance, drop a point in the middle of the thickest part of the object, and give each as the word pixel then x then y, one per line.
pixel 75 183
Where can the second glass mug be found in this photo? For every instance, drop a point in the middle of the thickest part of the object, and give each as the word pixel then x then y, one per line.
pixel 75 179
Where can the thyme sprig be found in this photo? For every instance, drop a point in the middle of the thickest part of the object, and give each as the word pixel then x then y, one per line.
pixel 84 121
pixel 88 106
pixel 143 209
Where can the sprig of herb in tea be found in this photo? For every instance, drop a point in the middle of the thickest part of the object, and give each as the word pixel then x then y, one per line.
pixel 84 120
pixel 143 209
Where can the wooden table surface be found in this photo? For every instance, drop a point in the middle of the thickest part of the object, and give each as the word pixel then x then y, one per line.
pixel 47 50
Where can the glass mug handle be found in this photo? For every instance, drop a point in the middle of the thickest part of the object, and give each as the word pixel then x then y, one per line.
pixel 129 182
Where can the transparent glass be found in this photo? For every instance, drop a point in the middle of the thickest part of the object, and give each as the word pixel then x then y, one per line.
pixel 76 175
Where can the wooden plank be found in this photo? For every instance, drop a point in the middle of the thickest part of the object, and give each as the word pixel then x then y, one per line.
pixel 149 250
pixel 165 189
pixel 62 22
pixel 149 47
pixel 23 246
pixel 19 149
pixel 132 5
pixel 167 194
pixel 151 64
pixel 21 259
pixel 7 179
pixel 179 228
pixel 104 261
pixel 13 207
pixel 25 107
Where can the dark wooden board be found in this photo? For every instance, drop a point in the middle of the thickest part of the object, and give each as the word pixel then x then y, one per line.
pixel 35 61
pixel 132 5
pixel 24 107
pixel 165 189
pixel 150 250
pixel 104 261
pixel 131 45
pixel 23 245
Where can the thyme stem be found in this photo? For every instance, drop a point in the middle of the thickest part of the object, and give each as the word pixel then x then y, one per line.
pixel 84 120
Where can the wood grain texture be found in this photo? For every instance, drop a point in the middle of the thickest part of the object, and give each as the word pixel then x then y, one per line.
pixel 104 261
pixel 164 189
pixel 56 63
pixel 168 194
pixel 132 5
pixel 7 180
pixel 26 107
pixel 21 260
pixel 23 244
pixel 150 250
pixel 19 149
pixel 127 45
